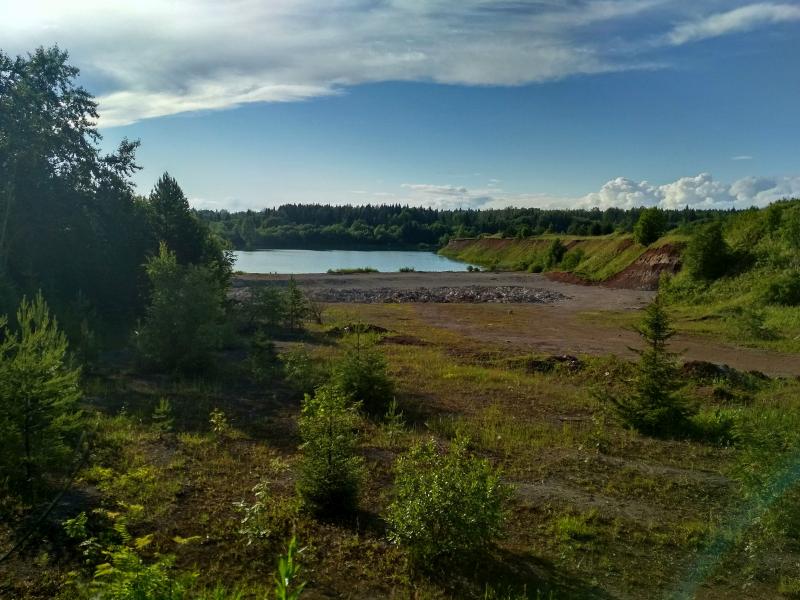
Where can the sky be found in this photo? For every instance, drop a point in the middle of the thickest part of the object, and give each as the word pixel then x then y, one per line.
pixel 444 103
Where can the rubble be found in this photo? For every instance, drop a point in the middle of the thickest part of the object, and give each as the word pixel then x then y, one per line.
pixel 467 294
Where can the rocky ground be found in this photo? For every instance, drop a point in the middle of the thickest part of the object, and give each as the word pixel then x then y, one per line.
pixel 470 293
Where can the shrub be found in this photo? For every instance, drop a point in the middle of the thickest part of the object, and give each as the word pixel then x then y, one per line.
pixel 361 374
pixel 784 289
pixel 555 253
pixel 407 269
pixel 263 359
pixel 265 309
pixel 707 256
pixel 655 406
pixel 330 472
pixel 572 259
pixel 535 268
pixel 651 225
pixel 184 322
pixel 302 371
pixel 39 394
pixel 445 504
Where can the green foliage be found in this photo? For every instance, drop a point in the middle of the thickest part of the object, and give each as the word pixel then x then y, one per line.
pixel 296 307
pixel 555 253
pixel 68 218
pixel 219 423
pixel 576 531
pixel 266 516
pixel 783 289
pixel 39 393
pixel 184 323
pixel 163 419
pixel 707 255
pixel 125 576
pixel 652 224
pixel 407 269
pixel 655 406
pixel 330 471
pixel 572 259
pixel 361 373
pixel 286 585
pixel 263 359
pixel 175 225
pixel 302 371
pixel 445 505
pixel 264 309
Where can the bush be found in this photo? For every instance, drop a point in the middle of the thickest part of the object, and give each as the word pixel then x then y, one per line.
pixel 330 472
pixel 39 394
pixel 555 253
pixel 445 504
pixel 572 259
pixel 361 374
pixel 707 255
pixel 655 406
pixel 784 289
pixel 264 309
pixel 184 323
pixel 302 371
pixel 651 225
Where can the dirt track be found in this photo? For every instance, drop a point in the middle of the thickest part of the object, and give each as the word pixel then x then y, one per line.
pixel 557 327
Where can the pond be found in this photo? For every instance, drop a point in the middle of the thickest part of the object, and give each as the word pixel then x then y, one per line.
pixel 319 261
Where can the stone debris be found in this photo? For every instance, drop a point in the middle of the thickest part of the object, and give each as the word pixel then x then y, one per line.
pixel 465 294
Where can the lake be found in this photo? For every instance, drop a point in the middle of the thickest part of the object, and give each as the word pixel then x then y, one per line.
pixel 319 261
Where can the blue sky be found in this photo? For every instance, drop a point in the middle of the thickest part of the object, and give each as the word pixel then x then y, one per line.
pixel 478 103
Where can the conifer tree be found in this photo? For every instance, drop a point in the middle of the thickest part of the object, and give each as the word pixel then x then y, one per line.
pixel 655 406
pixel 39 392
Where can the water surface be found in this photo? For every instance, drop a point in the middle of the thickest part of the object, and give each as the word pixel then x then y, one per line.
pixel 319 261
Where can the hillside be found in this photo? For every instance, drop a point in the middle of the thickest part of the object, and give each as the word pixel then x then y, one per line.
pixel 615 260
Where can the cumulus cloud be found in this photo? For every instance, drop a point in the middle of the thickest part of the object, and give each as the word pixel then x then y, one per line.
pixel 744 18
pixel 153 58
pixel 701 191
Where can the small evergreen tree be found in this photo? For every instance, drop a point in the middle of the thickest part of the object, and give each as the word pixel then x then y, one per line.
pixel 361 374
pixel 39 393
pixel 707 255
pixel 651 225
pixel 330 470
pixel 184 322
pixel 296 307
pixel 445 505
pixel 655 406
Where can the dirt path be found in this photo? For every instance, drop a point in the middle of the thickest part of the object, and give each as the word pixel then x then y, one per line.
pixel 556 328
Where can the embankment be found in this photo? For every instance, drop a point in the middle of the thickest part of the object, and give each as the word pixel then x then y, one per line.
pixel 613 261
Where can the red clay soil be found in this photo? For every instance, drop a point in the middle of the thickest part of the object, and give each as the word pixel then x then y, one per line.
pixel 643 274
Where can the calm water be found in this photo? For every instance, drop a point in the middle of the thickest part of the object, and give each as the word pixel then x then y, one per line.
pixel 319 261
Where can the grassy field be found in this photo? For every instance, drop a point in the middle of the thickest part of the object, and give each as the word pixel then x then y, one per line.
pixel 598 510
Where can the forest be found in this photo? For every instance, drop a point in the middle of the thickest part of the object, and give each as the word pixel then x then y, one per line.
pixel 340 227
pixel 171 430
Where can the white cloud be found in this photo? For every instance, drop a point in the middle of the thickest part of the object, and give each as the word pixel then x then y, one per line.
pixel 152 58
pixel 742 157
pixel 744 18
pixel 623 193
pixel 700 191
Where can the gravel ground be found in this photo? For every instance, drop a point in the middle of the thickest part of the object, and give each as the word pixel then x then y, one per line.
pixel 469 293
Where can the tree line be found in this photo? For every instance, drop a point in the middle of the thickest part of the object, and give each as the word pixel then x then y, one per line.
pixel 325 226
